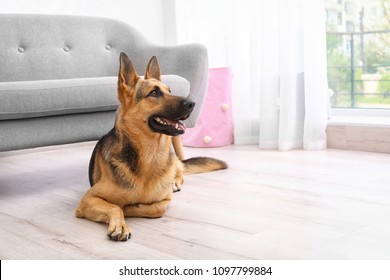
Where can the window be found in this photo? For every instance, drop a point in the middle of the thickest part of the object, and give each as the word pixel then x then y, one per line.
pixel 349 8
pixel 374 11
pixel 339 18
pixel 350 26
pixel 331 18
pixel 359 62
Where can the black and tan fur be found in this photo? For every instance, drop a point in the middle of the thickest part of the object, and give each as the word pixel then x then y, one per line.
pixel 132 171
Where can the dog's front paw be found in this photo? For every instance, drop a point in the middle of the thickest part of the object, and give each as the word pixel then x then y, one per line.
pixel 119 232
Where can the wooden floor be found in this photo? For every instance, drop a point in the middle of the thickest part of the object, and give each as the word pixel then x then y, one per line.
pixel 331 204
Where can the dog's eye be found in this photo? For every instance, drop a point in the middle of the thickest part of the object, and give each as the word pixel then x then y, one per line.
pixel 154 93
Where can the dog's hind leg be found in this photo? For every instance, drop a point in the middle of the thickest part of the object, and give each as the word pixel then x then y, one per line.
pixel 98 210
pixel 153 210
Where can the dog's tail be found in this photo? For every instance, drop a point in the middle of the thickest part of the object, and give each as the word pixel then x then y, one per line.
pixel 203 164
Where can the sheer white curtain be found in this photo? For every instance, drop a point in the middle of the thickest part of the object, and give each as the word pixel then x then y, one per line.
pixel 277 52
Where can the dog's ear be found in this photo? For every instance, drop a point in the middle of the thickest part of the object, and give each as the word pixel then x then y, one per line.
pixel 153 69
pixel 127 74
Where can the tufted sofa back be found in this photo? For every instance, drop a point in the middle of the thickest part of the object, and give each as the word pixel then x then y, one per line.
pixel 46 47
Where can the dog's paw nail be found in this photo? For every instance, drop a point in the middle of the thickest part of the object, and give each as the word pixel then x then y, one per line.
pixel 113 237
pixel 125 237
pixel 176 187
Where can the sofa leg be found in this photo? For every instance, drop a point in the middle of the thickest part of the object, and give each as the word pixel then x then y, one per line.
pixel 178 147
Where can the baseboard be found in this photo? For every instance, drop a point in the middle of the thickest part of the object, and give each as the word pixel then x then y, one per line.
pixel 360 137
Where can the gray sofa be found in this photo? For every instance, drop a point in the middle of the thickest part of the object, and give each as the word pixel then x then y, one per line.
pixel 58 76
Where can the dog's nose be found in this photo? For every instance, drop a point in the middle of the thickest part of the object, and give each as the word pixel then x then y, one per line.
pixel 188 104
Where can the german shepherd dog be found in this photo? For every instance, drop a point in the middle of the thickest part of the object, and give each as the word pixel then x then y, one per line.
pixel 132 171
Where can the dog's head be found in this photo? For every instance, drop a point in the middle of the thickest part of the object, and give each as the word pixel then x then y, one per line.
pixel 147 103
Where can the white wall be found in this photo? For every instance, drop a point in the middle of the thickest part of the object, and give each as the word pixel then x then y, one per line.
pixel 150 17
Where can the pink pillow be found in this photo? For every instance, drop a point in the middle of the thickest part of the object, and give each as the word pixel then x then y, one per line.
pixel 215 124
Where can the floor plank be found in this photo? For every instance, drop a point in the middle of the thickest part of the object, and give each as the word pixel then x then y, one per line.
pixel 330 204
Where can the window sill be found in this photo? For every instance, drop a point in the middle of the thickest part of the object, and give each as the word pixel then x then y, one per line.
pixel 360 121
pixel 362 117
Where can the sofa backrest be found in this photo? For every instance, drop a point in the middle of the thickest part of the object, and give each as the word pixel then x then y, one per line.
pixel 45 47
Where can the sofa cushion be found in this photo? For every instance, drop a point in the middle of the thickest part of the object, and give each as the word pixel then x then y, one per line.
pixel 31 99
